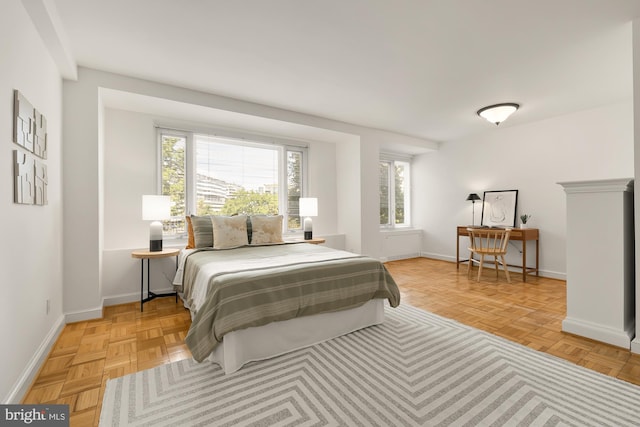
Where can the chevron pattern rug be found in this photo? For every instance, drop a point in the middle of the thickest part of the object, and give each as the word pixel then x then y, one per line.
pixel 417 369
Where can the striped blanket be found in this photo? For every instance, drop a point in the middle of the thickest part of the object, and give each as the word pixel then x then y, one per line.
pixel 253 286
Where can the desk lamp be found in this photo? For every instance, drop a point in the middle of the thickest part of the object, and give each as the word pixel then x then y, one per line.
pixel 473 197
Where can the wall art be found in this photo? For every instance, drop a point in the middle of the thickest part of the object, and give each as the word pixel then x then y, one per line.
pixel 24 121
pixel 499 208
pixel 24 183
pixel 29 169
pixel 40 181
pixel 40 135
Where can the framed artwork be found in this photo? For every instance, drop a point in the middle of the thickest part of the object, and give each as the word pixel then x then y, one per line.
pixel 499 208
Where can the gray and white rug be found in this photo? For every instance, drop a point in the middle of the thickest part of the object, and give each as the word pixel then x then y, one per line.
pixel 417 369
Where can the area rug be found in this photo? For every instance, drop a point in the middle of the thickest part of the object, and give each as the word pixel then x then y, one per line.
pixel 417 369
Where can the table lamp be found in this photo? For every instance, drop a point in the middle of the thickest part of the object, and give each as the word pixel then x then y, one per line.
pixel 308 208
pixel 155 209
pixel 473 197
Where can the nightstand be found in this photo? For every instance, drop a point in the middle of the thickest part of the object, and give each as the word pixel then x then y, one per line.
pixel 143 254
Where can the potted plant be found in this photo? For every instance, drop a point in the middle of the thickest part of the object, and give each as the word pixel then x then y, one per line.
pixel 524 218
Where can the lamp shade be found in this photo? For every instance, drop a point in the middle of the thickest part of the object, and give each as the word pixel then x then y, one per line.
pixel 473 197
pixel 156 208
pixel 308 206
pixel 498 113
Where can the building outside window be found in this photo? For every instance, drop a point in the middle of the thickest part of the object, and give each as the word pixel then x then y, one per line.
pixel 213 175
pixel 395 191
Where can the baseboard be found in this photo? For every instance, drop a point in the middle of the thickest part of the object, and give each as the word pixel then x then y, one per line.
pixel 553 275
pixel 543 273
pixel 399 257
pixel 439 257
pixel 131 297
pixel 79 316
pixel 606 334
pixel 21 387
pixel 120 299
pixel 635 345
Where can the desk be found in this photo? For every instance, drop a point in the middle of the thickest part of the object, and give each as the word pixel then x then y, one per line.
pixel 146 254
pixel 522 234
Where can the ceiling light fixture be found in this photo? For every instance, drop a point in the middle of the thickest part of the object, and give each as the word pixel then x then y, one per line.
pixel 498 113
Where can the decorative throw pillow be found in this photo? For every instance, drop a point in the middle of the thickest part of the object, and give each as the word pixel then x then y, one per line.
pixel 266 229
pixel 191 243
pixel 230 231
pixel 202 231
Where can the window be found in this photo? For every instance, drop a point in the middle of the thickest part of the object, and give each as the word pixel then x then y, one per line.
pixel 395 192
pixel 214 175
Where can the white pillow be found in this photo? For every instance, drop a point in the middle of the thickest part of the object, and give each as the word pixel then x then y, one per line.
pixel 266 229
pixel 229 231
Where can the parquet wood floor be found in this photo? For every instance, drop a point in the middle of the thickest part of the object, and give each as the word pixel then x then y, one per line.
pixel 124 341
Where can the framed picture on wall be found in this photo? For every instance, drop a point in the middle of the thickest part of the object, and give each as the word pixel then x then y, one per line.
pixel 499 208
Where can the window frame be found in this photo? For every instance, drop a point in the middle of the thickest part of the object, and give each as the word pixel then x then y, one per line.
pixel 392 159
pixel 282 146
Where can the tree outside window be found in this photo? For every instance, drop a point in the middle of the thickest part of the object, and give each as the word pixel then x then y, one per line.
pixel 229 177
pixel 394 180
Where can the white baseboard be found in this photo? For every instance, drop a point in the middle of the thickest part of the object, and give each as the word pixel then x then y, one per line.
pixel 21 387
pixel 79 316
pixel 399 257
pixel 602 333
pixel 120 299
pixel 543 273
pixel 131 297
pixel 635 345
pixel 437 256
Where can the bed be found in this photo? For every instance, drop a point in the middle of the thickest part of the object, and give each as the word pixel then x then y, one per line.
pixel 259 301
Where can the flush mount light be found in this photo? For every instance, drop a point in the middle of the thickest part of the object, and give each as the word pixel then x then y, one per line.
pixel 498 113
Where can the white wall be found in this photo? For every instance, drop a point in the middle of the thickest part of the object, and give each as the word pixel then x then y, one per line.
pixel 587 145
pixel 88 218
pixel 130 170
pixel 31 254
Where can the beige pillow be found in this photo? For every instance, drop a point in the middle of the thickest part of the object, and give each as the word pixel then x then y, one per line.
pixel 266 229
pixel 229 231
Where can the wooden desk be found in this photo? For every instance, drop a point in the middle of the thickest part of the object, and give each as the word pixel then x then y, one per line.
pixel 522 234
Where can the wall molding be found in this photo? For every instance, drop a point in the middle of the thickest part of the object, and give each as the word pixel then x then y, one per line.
pixel 400 257
pixel 129 297
pixel 595 331
pixel 543 273
pixel 598 186
pixel 22 385
pixel 79 316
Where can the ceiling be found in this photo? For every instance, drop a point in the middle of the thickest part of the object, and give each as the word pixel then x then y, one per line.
pixel 416 67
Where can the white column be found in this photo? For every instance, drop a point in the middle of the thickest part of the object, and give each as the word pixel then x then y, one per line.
pixel 600 260
pixel 635 27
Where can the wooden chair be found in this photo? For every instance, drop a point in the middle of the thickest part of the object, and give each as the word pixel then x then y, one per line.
pixel 489 241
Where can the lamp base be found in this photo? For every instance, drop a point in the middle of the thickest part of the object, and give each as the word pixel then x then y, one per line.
pixel 155 245
pixel 308 235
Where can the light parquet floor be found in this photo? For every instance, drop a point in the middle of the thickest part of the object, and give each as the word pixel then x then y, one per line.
pixel 125 340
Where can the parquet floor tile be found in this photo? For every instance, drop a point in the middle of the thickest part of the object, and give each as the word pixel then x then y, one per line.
pixel 124 341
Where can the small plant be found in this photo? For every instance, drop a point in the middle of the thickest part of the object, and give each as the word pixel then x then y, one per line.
pixel 524 218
